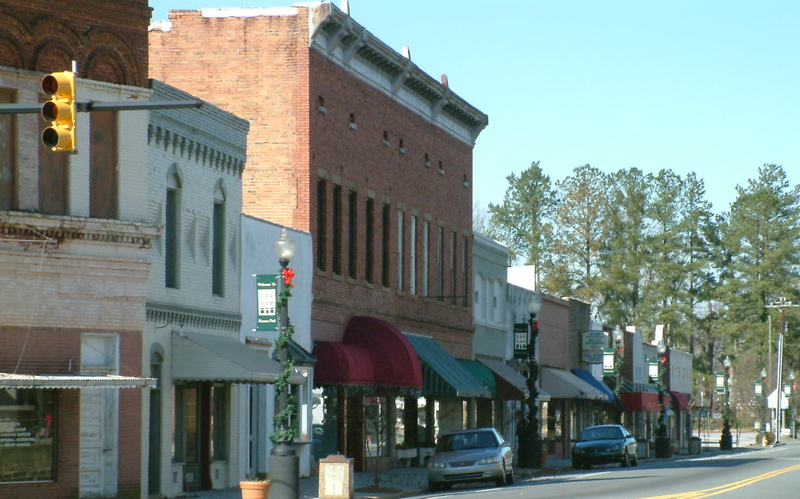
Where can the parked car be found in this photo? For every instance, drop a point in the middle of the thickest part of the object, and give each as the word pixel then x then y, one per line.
pixel 474 455
pixel 602 444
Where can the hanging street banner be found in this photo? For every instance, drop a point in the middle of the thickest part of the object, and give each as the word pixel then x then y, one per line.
pixel 593 344
pixel 521 340
pixel 267 289
pixel 720 382
pixel 608 362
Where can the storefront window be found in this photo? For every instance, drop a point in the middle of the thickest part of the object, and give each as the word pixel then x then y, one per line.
pixel 27 435
pixel 376 426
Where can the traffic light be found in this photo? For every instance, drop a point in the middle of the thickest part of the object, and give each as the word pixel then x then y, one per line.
pixel 59 111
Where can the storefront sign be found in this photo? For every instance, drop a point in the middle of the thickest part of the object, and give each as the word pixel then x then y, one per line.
pixel 267 289
pixel 593 344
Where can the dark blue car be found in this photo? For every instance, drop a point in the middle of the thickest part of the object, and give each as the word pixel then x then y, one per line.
pixel 603 444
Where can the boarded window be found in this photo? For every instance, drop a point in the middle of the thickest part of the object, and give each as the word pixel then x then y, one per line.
pixel 8 160
pixel 103 165
pixel 53 178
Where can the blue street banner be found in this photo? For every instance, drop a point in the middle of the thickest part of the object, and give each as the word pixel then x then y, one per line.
pixel 267 289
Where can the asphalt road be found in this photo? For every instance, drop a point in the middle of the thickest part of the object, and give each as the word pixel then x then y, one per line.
pixel 768 473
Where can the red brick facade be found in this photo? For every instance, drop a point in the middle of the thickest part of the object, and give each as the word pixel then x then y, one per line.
pixel 107 39
pixel 58 351
pixel 311 118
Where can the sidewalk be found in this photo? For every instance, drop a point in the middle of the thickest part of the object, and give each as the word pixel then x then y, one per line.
pixel 404 482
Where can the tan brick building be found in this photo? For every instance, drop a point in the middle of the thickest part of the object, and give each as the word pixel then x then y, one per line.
pixel 352 142
pixel 73 255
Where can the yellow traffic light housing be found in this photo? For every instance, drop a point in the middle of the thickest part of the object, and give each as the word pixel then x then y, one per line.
pixel 59 111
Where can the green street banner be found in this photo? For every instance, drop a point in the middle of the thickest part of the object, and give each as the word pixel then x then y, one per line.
pixel 267 289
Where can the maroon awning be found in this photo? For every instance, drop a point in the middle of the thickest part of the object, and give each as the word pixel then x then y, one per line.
pixel 372 352
pixel 642 401
pixel 680 401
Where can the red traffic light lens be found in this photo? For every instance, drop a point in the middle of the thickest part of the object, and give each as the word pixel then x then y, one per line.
pixel 50 85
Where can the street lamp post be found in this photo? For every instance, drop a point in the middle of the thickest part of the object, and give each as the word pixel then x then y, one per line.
pixel 284 463
pixel 662 437
pixel 726 439
pixel 764 401
pixel 792 429
pixel 530 438
pixel 618 337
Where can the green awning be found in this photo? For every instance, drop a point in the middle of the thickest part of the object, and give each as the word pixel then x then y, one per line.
pixel 482 373
pixel 442 375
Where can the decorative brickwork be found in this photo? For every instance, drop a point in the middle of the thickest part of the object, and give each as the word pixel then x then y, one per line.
pixel 107 39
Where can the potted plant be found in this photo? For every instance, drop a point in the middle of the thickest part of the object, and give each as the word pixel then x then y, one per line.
pixel 255 488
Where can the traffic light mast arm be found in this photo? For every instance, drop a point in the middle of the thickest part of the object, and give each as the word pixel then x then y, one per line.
pixel 85 107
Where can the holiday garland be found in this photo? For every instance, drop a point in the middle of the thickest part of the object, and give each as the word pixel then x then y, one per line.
pixel 283 431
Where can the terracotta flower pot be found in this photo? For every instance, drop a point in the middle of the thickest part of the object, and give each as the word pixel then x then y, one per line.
pixel 255 490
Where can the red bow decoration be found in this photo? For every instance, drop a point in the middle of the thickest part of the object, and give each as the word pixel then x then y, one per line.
pixel 536 324
pixel 288 275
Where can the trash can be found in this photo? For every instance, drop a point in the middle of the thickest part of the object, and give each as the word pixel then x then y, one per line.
pixel 695 445
pixel 642 448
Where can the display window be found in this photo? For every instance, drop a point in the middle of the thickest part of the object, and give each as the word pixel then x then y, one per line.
pixel 27 435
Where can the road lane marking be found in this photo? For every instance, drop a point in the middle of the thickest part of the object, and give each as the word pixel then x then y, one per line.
pixel 699 494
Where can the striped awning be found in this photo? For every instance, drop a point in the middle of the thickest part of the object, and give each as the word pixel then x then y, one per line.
pixel 206 357
pixel 443 375
pixel 72 381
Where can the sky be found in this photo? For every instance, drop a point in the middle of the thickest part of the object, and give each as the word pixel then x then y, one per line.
pixel 709 86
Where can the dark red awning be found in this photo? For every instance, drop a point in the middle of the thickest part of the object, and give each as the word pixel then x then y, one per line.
pixel 680 401
pixel 642 401
pixel 372 352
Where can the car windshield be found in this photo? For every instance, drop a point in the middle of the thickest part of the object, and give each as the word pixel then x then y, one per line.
pixel 601 434
pixel 463 441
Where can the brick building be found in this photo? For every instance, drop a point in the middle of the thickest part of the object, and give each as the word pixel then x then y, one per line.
pixel 352 142
pixel 73 255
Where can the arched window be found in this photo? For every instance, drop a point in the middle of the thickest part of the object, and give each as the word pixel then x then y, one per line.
pixel 218 247
pixel 172 226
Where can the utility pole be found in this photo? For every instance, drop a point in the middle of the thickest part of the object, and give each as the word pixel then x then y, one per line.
pixel 782 304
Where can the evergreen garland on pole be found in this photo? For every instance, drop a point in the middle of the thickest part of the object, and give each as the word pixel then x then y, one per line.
pixel 281 422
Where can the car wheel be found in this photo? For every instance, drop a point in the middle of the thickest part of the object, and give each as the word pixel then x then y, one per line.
pixel 576 464
pixel 626 459
pixel 502 480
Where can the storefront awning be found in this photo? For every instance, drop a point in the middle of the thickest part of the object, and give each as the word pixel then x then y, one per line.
pixel 442 375
pixel 589 378
pixel 72 381
pixel 642 401
pixel 680 401
pixel 562 384
pixel 206 357
pixel 511 384
pixel 482 373
pixel 372 352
